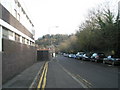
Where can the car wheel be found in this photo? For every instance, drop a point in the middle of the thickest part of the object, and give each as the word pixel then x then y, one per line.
pixel 90 60
pixel 113 63
pixel 95 60
pixel 103 62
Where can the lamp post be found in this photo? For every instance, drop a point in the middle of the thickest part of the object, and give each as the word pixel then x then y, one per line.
pixel 51 43
pixel 0 38
pixel 49 29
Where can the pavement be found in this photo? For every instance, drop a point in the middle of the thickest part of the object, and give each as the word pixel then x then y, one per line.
pixel 25 79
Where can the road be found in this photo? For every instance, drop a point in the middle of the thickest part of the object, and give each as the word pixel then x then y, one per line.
pixel 66 72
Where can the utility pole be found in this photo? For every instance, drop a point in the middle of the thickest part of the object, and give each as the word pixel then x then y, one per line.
pixel 51 43
pixel 0 38
pixel 118 32
pixel 0 57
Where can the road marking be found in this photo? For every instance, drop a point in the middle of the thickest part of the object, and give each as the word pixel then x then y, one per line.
pixel 87 83
pixel 42 81
pixel 109 65
pixel 84 86
pixel 32 85
pixel 83 82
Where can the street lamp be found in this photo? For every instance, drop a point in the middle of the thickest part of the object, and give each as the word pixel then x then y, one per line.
pixel 49 29
pixel 51 43
pixel 50 32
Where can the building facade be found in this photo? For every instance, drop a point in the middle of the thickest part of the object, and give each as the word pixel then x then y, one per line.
pixel 17 38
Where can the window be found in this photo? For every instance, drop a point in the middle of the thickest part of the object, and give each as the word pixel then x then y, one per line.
pixel 16 1
pixel 15 13
pixel 23 11
pixel 19 4
pixel 31 43
pixel 10 34
pixel 23 40
pixel 18 16
pixel 27 41
pixel 17 37
pixel 5 32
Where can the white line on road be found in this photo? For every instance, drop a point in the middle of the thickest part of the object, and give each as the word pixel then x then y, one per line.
pixel 109 65
pixel 73 77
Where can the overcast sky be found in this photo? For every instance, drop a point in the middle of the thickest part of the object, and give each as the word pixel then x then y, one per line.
pixel 66 14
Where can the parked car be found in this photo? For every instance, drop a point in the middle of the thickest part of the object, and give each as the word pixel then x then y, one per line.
pixel 65 55
pixel 72 56
pixel 79 55
pixel 98 57
pixel 111 60
pixel 93 56
pixel 86 57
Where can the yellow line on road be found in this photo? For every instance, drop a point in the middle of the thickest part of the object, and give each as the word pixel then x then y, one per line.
pixel 33 83
pixel 41 78
pixel 44 80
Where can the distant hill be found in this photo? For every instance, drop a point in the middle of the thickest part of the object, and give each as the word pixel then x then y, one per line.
pixel 55 40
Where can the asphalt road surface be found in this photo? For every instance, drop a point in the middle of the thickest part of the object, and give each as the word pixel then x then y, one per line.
pixel 66 72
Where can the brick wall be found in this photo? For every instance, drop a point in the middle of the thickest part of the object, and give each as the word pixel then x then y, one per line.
pixel 15 58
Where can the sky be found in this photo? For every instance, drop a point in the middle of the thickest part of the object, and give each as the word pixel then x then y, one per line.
pixel 60 16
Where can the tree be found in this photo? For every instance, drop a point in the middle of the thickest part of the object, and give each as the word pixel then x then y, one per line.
pixel 98 31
